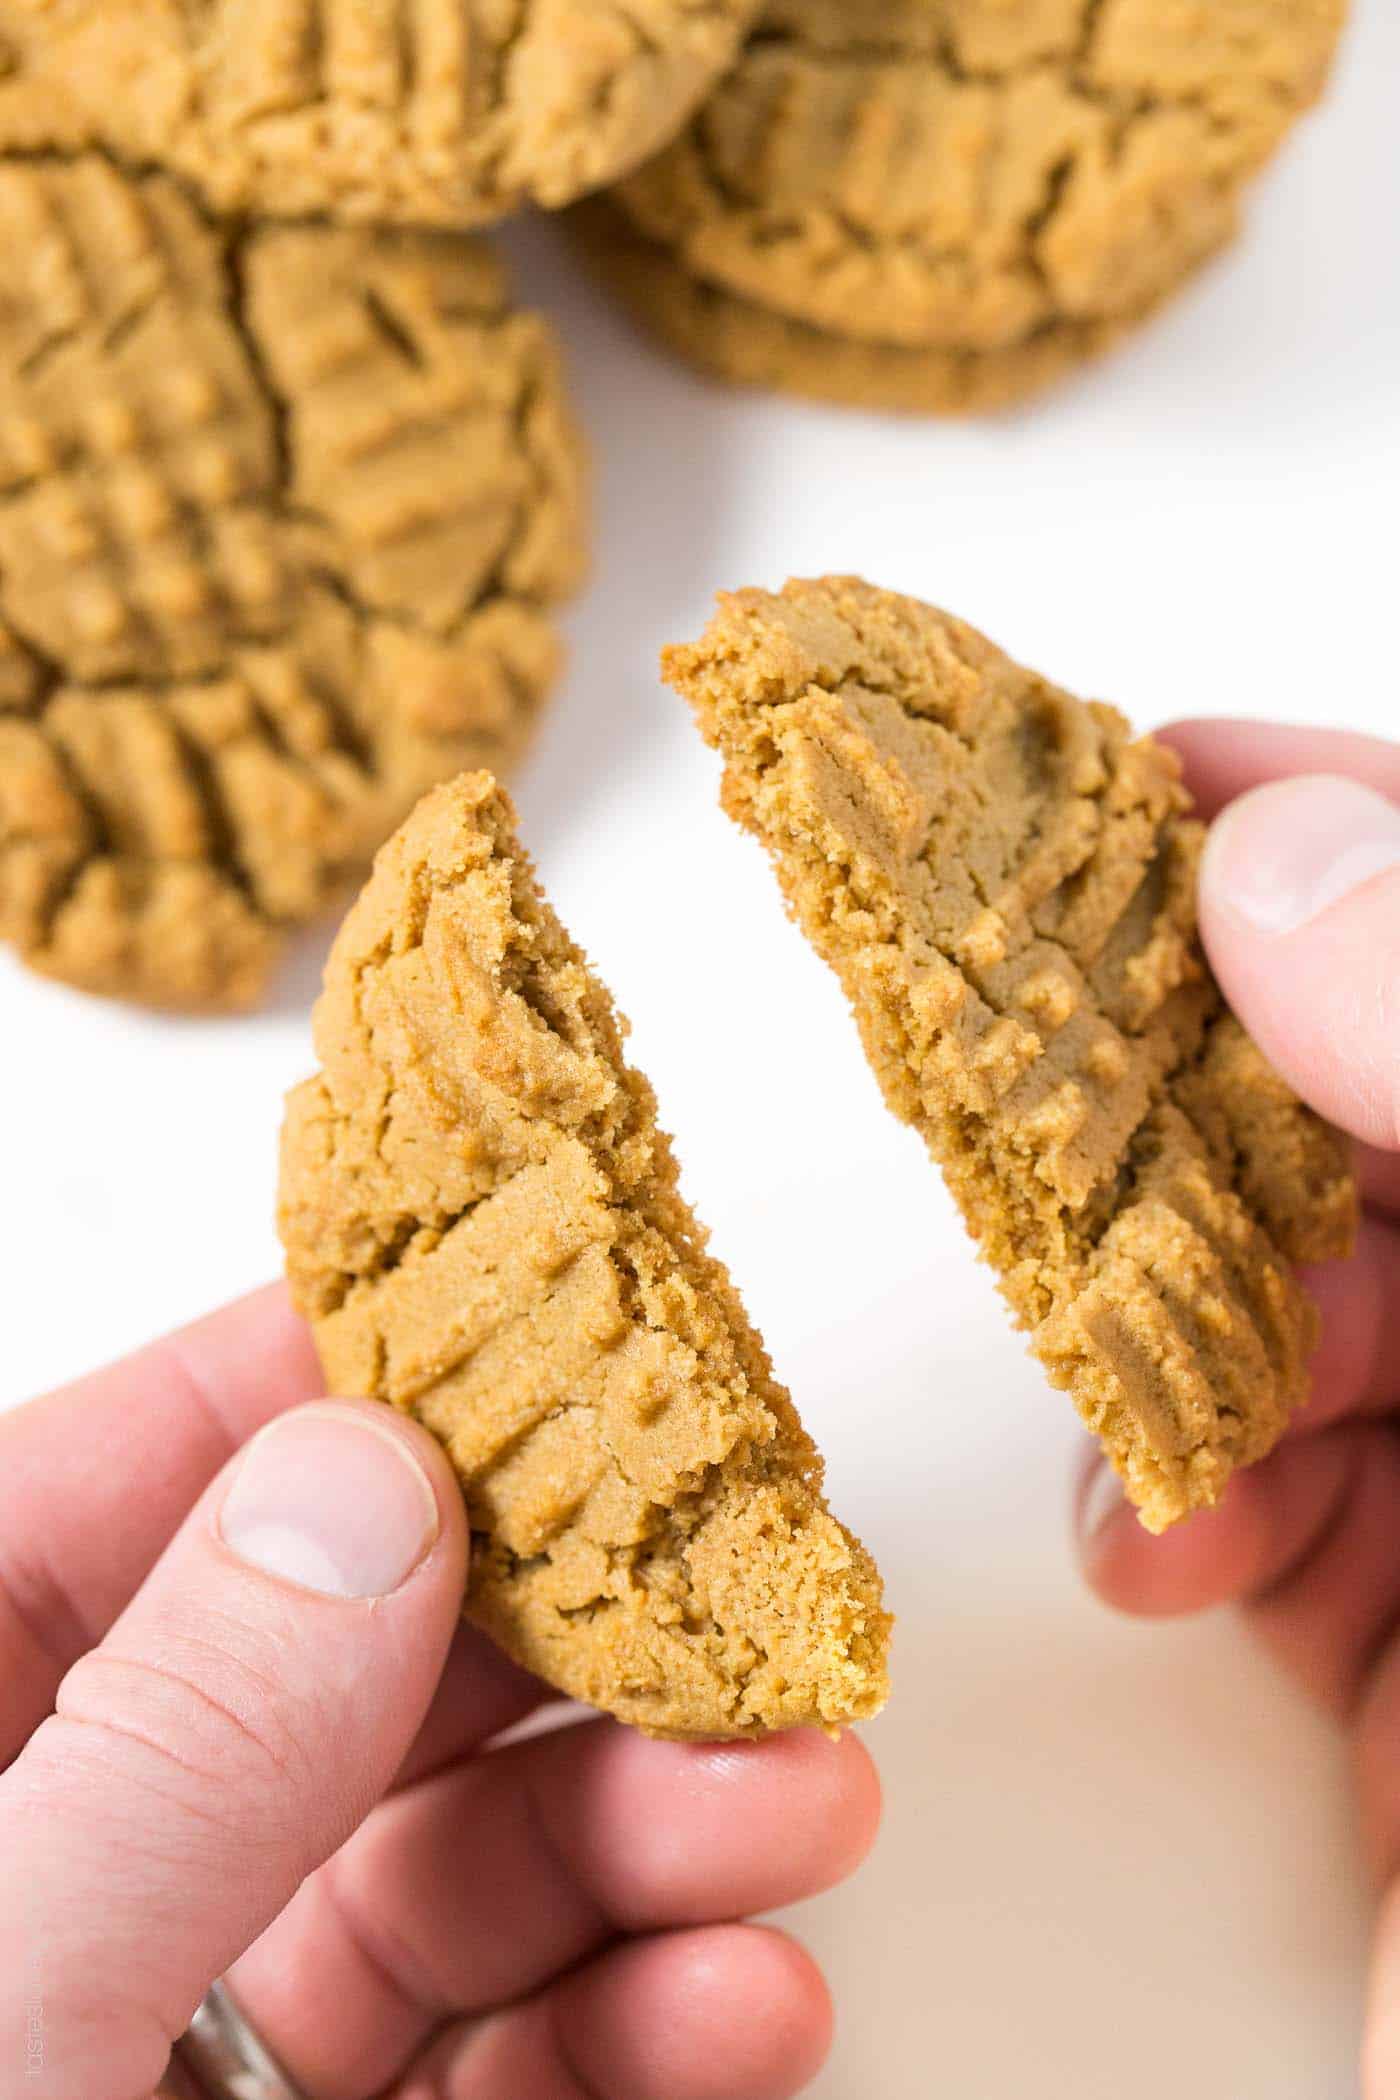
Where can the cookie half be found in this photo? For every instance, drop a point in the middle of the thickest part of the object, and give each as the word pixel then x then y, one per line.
pixel 1016 182
pixel 483 1223
pixel 420 112
pixel 1004 881
pixel 283 513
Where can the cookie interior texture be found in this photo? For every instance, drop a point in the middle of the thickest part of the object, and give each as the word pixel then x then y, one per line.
pixel 483 1223
pixel 422 112
pixel 1004 880
pixel 1009 180
pixel 283 510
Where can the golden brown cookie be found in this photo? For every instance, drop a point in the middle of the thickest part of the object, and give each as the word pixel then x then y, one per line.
pixel 422 112
pixel 1014 180
pixel 482 1222
pixel 1004 881
pixel 283 512
pixel 749 345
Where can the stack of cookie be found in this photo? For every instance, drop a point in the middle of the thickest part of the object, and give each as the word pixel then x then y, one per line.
pixel 285 508
pixel 943 205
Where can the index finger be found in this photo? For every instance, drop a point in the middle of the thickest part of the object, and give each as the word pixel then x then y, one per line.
pixel 1224 757
pixel 96 1477
pixel 1275 1516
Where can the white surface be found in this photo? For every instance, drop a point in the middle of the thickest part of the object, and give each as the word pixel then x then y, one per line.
pixel 1117 1859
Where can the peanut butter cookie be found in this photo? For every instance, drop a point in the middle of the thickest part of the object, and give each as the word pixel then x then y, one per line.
pixel 282 514
pixel 1013 181
pixel 1004 882
pixel 482 1222
pixel 423 112
pixel 750 345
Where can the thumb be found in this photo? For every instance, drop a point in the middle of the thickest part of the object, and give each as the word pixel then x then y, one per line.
pixel 242 1716
pixel 1300 912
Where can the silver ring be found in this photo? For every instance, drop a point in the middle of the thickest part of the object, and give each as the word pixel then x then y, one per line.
pixel 221 2057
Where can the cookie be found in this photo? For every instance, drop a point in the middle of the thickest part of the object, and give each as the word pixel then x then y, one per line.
pixel 421 112
pixel 1014 180
pixel 1004 881
pixel 283 512
pixel 483 1224
pixel 746 344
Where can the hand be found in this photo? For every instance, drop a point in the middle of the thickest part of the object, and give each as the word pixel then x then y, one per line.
pixel 1300 911
pixel 242 1730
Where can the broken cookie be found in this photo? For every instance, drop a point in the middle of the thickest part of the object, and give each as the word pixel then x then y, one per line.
pixel 283 514
pixel 945 204
pixel 417 112
pixel 1004 881
pixel 483 1224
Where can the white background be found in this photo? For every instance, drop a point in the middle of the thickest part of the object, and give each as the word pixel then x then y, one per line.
pixel 1118 1860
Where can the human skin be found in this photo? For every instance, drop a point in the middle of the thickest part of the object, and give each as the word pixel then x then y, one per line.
pixel 243 1732
pixel 1300 912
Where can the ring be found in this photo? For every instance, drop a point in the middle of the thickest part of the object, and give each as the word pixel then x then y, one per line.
pixel 220 2056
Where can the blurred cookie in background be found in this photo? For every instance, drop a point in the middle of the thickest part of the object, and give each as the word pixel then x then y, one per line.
pixel 748 344
pixel 284 512
pixel 427 112
pixel 946 204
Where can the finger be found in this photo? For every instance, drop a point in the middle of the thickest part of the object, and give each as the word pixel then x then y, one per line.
pixel 1307 1541
pixel 1380 2068
pixel 1271 1518
pixel 1378 1787
pixel 1300 912
pixel 316 1980
pixel 1378 1178
pixel 96 1477
pixel 1224 758
pixel 733 2012
pixel 1356 1368
pixel 237 1722
pixel 473 1890
pixel 480 1694
pixel 1272 1512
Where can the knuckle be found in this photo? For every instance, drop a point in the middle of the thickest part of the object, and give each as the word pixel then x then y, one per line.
pixel 41 1630
pixel 198 1728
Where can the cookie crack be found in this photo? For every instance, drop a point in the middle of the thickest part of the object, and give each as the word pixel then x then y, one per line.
pixel 234 245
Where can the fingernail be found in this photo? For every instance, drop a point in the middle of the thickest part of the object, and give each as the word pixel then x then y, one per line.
pixel 1283 853
pixel 1101 1501
pixel 327 1501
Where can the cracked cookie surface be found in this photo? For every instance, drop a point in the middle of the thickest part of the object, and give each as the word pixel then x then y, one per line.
pixel 483 1224
pixel 1012 180
pixel 283 511
pixel 1004 881
pixel 422 112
